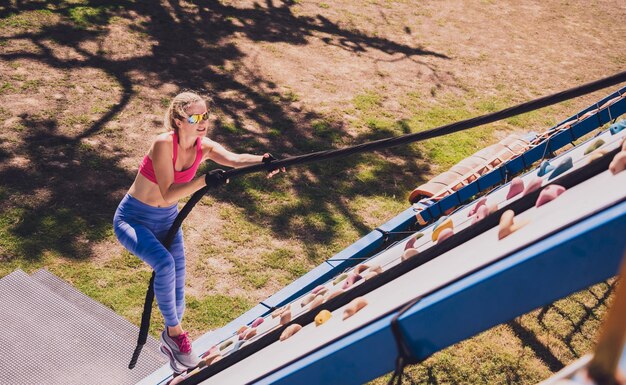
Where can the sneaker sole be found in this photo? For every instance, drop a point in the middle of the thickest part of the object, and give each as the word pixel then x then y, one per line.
pixel 176 366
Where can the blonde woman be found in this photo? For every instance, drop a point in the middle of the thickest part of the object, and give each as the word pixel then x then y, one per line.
pixel 148 210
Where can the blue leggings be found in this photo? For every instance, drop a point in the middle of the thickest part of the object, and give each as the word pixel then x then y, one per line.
pixel 140 228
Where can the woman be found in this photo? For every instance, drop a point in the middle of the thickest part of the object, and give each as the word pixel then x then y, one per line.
pixel 148 210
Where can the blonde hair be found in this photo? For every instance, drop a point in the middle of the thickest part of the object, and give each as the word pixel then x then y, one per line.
pixel 176 109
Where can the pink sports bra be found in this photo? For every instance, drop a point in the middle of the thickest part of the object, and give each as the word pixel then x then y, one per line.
pixel 146 169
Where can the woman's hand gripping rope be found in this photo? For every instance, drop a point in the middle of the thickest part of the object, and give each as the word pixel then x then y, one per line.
pixel 271 171
pixel 215 178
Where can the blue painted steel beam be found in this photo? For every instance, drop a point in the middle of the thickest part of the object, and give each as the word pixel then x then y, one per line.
pixel 584 254
pixel 534 154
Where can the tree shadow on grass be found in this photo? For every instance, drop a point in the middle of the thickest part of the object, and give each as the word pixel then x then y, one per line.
pixel 62 199
pixel 74 184
pixel 574 321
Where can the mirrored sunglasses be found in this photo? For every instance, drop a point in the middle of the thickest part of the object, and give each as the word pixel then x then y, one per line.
pixel 197 118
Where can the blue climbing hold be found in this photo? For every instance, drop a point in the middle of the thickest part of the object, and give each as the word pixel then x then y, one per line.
pixel 545 168
pixel 565 165
pixel 617 127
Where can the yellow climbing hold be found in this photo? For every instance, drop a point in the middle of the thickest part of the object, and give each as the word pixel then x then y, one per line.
pixel 322 317
pixel 443 224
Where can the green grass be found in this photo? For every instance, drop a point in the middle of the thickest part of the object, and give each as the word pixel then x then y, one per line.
pixel 27 19
pixel 85 16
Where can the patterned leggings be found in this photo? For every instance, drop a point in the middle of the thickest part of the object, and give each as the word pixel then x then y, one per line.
pixel 140 228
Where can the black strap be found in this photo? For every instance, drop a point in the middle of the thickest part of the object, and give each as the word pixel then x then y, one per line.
pixel 373 146
pixel 405 356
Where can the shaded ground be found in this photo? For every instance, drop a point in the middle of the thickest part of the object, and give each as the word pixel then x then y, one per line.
pixel 83 85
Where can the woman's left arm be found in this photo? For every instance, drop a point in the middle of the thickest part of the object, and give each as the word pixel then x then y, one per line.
pixel 217 153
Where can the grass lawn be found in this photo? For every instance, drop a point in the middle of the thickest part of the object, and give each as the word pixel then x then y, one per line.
pixel 83 86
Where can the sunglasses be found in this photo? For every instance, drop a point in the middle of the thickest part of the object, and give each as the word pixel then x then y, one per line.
pixel 197 118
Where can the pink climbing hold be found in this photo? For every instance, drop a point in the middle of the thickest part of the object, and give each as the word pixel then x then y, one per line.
pixel 516 187
pixel 411 242
pixel 445 234
pixel 481 202
pixel 409 253
pixel 618 164
pixel 548 194
pixel 481 214
pixel 533 185
pixel 351 280
pixel 257 322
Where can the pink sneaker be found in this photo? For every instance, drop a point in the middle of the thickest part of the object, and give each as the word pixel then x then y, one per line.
pixel 178 350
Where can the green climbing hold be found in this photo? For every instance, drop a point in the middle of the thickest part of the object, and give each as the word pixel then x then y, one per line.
pixel 594 146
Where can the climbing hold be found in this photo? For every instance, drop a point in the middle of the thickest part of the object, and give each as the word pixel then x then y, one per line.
pixel 361 269
pixel 236 346
pixel 249 334
pixel 178 379
pixel 340 278
pixel 565 165
pixel 226 344
pixel 482 212
pixel 354 306
pixel 516 187
pixel 242 329
pixel 442 223
pixel 545 168
pixel 290 331
pixel 411 242
pixel 257 322
pixel 210 358
pixel 334 294
pixel 319 299
pixel 322 317
pixel 618 164
pixel 533 185
pixel 278 311
pixel 352 279
pixel 617 127
pixel 212 350
pixel 285 317
pixel 370 274
pixel 318 289
pixel 548 194
pixel 409 253
pixel 596 155
pixel 507 225
pixel 594 146
pixel 481 202
pixel 445 234
pixel 307 300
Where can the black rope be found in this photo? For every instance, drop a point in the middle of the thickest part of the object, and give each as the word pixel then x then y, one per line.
pixel 373 146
